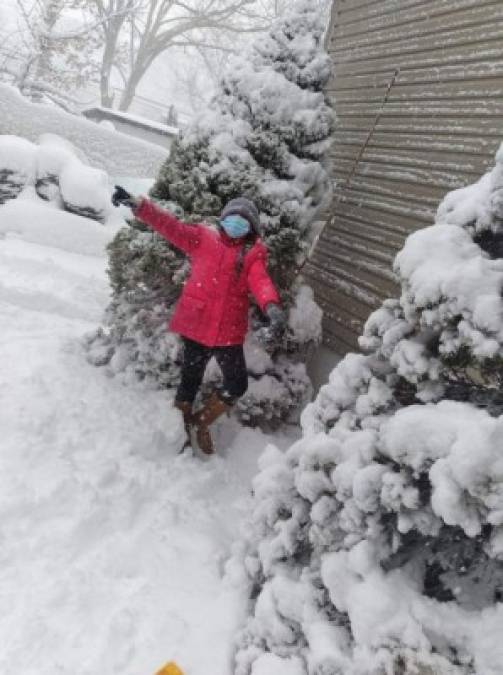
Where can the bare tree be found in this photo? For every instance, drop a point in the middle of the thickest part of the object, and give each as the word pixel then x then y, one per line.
pixel 124 37
pixel 35 45
pixel 156 26
pixel 273 9
pixel 44 60
pixel 41 28
pixel 112 17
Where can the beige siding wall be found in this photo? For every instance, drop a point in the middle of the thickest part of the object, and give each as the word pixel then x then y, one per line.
pixel 439 130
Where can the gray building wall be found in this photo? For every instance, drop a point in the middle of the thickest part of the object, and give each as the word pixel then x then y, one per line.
pixel 439 130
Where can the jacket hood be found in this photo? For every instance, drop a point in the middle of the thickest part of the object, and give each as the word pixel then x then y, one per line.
pixel 246 209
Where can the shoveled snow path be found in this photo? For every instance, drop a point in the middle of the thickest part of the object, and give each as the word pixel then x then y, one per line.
pixel 112 547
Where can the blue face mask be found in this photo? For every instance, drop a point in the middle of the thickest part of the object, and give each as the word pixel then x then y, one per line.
pixel 235 226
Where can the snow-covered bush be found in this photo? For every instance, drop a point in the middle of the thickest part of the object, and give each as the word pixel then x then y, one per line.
pixel 278 386
pixel 17 166
pixel 376 542
pixel 264 137
pixel 59 173
pixel 53 153
pixel 85 190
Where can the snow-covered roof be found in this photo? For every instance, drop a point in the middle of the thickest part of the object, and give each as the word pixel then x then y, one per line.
pixel 136 120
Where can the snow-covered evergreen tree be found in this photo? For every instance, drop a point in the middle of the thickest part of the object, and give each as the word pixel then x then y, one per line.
pixel 376 542
pixel 264 137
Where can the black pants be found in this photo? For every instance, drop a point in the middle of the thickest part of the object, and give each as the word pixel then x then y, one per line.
pixel 232 364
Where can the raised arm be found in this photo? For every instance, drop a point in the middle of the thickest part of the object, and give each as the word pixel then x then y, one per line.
pixel 183 236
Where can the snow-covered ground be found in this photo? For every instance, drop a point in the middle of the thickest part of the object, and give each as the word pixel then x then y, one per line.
pixel 112 546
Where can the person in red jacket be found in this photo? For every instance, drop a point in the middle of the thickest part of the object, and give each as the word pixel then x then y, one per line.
pixel 212 312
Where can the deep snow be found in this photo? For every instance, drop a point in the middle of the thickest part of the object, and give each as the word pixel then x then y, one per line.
pixel 112 546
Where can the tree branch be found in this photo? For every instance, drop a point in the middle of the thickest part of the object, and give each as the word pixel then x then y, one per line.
pixel 89 29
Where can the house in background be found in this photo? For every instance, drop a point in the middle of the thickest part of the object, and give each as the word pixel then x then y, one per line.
pixel 134 125
pixel 418 90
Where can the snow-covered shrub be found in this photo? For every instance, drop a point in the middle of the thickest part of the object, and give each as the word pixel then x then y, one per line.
pixel 17 166
pixel 53 153
pixel 264 137
pixel 304 320
pixel 376 542
pixel 278 385
pixel 85 190
pixel 59 173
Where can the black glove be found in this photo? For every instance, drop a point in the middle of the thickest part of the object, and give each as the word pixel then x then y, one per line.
pixel 271 334
pixel 121 196
pixel 277 319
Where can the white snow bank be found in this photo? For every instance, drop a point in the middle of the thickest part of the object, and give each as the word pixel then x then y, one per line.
pixel 41 223
pixel 18 156
pixel 53 153
pixel 67 284
pixel 85 189
pixel 60 174
pixel 111 547
pixel 112 151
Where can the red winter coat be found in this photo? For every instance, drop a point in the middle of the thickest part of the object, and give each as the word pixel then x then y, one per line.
pixel 213 307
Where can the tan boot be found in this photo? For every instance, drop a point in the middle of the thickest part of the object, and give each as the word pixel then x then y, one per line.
pixel 188 419
pixel 212 410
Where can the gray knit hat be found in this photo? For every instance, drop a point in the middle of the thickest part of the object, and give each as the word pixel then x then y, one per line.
pixel 246 209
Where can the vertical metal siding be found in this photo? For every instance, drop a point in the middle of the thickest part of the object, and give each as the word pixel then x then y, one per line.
pixel 439 130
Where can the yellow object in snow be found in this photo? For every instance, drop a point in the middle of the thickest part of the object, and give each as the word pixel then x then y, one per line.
pixel 170 669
